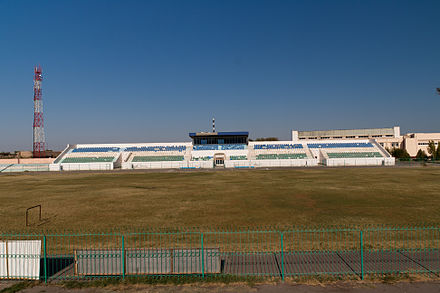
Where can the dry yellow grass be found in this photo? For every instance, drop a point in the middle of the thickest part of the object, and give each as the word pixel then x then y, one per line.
pixel 135 200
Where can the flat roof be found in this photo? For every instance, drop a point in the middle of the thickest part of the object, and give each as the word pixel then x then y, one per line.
pixel 228 133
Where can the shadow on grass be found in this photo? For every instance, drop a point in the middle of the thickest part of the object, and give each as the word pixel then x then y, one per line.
pixel 164 280
pixel 17 287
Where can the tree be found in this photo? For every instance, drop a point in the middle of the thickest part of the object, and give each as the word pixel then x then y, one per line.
pixel 432 150
pixel 421 155
pixel 437 152
pixel 400 153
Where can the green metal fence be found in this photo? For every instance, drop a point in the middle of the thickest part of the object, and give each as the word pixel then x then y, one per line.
pixel 275 253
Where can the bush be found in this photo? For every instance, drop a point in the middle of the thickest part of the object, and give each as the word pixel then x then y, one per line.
pixel 400 153
pixel 437 152
pixel 431 150
pixel 421 155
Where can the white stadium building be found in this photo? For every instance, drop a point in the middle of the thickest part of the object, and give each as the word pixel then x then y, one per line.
pixel 225 150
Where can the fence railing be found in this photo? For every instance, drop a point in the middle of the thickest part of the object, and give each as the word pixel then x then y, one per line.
pixel 278 253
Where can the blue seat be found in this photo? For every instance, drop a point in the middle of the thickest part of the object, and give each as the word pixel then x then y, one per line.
pixel 339 145
pixel 96 150
pixel 285 146
pixel 180 148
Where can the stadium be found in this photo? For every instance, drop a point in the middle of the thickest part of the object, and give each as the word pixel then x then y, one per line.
pixel 179 220
pixel 222 150
pixel 167 216
pixel 121 181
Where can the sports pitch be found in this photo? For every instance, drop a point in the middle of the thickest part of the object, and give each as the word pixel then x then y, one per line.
pixel 230 198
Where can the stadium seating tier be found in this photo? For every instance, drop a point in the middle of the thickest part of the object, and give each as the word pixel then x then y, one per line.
pixel 96 150
pixel 179 148
pixel 354 155
pixel 281 156
pixel 206 158
pixel 235 158
pixel 214 147
pixel 88 160
pixel 277 146
pixel 157 158
pixel 340 145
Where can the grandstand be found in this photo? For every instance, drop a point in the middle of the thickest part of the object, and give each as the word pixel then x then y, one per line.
pixel 87 157
pixel 354 153
pixel 222 150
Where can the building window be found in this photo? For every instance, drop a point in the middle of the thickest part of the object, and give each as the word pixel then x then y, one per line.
pixel 351 136
pixel 377 135
pixel 337 137
pixel 427 143
pixel 363 136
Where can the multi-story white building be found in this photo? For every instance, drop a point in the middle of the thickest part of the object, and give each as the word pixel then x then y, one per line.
pixel 388 138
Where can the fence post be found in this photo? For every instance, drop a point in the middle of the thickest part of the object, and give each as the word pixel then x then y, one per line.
pixel 45 258
pixel 203 256
pixel 123 257
pixel 282 255
pixel 362 255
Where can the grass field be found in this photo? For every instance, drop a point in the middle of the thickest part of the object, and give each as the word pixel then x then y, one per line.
pixel 237 198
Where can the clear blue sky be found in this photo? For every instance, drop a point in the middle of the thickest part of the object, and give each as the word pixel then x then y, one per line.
pixel 152 71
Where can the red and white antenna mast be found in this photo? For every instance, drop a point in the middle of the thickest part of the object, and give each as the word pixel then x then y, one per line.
pixel 39 146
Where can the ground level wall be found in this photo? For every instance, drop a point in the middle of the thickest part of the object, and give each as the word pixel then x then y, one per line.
pixel 359 162
pixel 27 161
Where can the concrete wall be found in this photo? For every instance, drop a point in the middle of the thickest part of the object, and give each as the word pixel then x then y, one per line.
pixel 84 166
pixel 27 161
pixel 54 167
pixel 168 165
pixel 228 164
pixel 271 163
pixel 24 168
pixel 359 162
